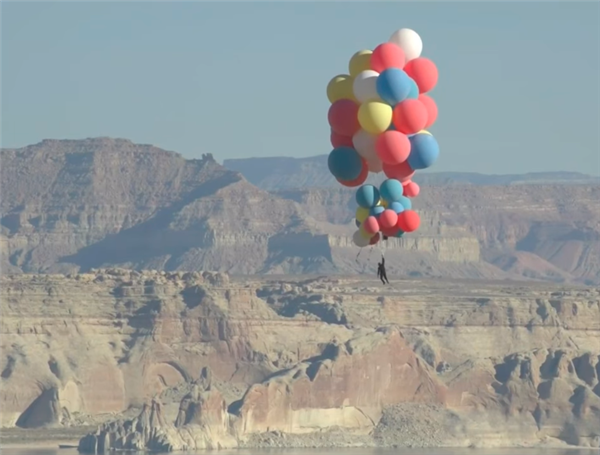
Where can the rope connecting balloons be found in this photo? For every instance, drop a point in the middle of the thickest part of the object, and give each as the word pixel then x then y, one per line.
pixel 379 116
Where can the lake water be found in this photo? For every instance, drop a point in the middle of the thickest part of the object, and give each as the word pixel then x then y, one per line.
pixel 37 451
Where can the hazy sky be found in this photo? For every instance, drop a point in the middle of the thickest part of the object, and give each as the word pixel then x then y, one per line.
pixel 518 89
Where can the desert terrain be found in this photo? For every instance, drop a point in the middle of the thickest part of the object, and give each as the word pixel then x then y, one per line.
pixel 182 360
pixel 154 302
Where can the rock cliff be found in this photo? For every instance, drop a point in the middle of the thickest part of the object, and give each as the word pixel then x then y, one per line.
pixel 177 361
pixel 70 206
pixel 546 232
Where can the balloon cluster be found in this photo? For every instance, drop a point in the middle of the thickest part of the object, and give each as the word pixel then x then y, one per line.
pixel 386 210
pixel 379 116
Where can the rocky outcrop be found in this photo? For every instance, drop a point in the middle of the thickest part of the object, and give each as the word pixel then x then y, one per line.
pixel 351 384
pixel 203 360
pixel 203 423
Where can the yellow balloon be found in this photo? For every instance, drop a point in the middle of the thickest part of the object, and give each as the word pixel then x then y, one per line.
pixel 361 61
pixel 364 233
pixel 339 88
pixel 375 116
pixel 384 203
pixel 362 214
pixel 424 132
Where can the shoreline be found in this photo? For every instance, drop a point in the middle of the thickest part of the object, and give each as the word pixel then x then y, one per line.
pixel 48 444
pixel 72 444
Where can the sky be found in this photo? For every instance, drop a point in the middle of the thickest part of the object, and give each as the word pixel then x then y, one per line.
pixel 518 91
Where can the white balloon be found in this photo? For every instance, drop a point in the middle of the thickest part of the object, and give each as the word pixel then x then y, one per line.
pixel 409 41
pixel 365 86
pixel 364 144
pixel 359 240
pixel 375 165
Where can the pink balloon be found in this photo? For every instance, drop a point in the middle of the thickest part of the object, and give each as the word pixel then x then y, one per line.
pixel 337 140
pixel 411 189
pixel 388 219
pixel 424 72
pixel 402 171
pixel 343 117
pixel 410 116
pixel 392 147
pixel 371 225
pixel 358 181
pixel 387 55
pixel 432 110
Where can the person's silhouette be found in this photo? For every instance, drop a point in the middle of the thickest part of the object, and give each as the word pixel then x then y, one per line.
pixel 381 274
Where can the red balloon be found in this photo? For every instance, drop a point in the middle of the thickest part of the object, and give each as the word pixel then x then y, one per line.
pixel 343 117
pixel 411 189
pixel 390 232
pixel 432 110
pixel 402 171
pixel 392 147
pixel 371 225
pixel 337 140
pixel 358 181
pixel 410 116
pixel 424 72
pixel 388 219
pixel 374 240
pixel 387 55
pixel 408 221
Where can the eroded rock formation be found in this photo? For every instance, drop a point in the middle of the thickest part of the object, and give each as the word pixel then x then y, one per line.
pixel 201 360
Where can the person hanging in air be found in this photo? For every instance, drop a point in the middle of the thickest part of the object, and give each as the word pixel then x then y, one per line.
pixel 381 274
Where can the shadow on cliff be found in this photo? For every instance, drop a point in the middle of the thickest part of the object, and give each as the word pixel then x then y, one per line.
pixel 153 238
pixel 298 252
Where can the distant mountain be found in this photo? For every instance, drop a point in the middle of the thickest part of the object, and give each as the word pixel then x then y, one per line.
pixel 75 205
pixel 279 173
pixel 82 204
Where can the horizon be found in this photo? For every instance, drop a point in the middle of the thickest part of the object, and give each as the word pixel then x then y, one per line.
pixel 150 72
pixel 222 161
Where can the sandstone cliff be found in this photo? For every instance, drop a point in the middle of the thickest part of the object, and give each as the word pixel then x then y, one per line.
pixel 533 231
pixel 176 361
pixel 70 206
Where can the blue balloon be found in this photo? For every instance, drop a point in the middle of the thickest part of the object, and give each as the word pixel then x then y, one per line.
pixel 414 90
pixel 397 206
pixel 406 202
pixel 424 151
pixel 358 223
pixel 393 86
pixel 377 210
pixel 399 233
pixel 367 196
pixel 391 190
pixel 344 163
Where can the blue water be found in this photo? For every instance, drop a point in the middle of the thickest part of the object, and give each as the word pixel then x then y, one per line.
pixel 34 451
